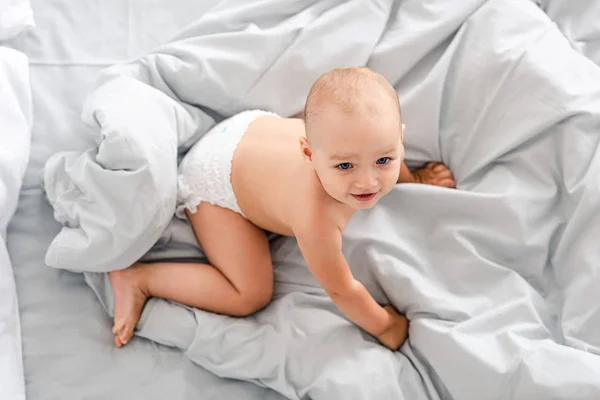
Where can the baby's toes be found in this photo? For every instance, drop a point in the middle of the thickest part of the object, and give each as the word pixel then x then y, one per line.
pixel 124 334
pixel 439 167
pixel 128 336
pixel 118 326
pixel 444 174
pixel 448 182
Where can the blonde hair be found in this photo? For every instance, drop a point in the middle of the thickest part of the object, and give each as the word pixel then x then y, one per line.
pixel 351 90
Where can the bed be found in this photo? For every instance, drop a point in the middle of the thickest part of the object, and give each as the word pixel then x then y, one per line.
pixel 498 278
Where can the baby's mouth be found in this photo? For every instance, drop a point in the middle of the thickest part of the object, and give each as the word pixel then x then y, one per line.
pixel 364 196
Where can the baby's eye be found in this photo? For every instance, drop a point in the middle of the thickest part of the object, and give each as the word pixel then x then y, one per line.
pixel 344 166
pixel 383 160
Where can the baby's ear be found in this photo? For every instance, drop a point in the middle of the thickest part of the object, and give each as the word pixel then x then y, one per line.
pixel 305 148
pixel 402 133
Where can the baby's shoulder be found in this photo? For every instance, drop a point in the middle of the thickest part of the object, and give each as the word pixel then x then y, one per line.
pixel 315 212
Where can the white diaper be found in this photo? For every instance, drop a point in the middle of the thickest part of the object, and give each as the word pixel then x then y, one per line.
pixel 205 171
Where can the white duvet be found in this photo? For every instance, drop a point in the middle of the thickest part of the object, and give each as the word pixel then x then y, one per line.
pixel 499 278
pixel 15 135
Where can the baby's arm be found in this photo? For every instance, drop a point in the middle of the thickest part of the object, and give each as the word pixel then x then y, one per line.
pixel 321 246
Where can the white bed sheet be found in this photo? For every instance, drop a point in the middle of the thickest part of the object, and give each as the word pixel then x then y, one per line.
pixel 15 121
pixel 579 21
pixel 15 17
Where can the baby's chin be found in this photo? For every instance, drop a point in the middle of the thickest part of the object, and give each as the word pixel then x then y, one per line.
pixel 360 205
pixel 363 206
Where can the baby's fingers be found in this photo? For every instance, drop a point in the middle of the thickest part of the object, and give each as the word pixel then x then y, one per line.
pixel 440 167
pixel 444 174
pixel 449 183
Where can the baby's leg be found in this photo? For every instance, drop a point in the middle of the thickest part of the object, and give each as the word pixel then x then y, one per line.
pixel 239 282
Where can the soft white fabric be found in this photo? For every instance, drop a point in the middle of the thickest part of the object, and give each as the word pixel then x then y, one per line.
pixel 205 171
pixel 15 17
pixel 144 160
pixel 15 125
pixel 578 20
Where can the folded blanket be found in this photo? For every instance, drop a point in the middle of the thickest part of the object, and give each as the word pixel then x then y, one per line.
pixel 496 277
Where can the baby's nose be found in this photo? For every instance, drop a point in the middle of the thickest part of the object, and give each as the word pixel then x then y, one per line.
pixel 367 181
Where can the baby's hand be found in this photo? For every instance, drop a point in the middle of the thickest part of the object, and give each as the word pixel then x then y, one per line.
pixel 396 334
pixel 436 174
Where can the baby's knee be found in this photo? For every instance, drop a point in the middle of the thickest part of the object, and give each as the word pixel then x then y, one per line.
pixel 255 300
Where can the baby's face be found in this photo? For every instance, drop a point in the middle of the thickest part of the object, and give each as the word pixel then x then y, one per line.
pixel 357 161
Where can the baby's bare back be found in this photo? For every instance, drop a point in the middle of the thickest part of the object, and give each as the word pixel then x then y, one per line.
pixel 271 180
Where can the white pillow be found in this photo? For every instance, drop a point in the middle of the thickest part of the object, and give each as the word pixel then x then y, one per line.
pixel 15 136
pixel 15 17
pixel 15 129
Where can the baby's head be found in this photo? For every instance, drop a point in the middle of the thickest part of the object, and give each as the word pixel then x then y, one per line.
pixel 354 135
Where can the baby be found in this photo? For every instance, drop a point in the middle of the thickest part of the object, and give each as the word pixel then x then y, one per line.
pixel 258 172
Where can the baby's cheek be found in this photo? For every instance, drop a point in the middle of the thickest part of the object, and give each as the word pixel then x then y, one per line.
pixel 392 175
pixel 332 184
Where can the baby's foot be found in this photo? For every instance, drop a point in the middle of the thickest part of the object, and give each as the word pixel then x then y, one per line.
pixel 436 174
pixel 129 299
